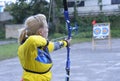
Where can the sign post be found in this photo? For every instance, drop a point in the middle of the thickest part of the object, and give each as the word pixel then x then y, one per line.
pixel 101 31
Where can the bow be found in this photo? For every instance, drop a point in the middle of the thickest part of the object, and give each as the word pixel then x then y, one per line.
pixel 66 15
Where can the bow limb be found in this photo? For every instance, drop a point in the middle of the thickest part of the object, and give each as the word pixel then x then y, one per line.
pixel 66 15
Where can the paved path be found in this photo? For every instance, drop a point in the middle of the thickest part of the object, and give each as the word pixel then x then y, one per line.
pixel 101 64
pixel 7 42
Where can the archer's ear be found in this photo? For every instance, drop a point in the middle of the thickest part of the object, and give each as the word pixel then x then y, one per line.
pixel 39 32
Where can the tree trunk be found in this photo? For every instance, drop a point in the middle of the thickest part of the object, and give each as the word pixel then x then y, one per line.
pixel 55 18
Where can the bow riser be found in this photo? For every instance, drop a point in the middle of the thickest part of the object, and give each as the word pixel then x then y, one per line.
pixel 68 23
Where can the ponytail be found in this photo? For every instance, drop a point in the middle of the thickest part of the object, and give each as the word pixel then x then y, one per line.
pixel 23 35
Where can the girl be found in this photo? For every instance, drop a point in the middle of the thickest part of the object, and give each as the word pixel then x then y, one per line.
pixel 34 49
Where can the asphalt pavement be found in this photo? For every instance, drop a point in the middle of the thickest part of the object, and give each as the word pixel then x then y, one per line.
pixel 101 64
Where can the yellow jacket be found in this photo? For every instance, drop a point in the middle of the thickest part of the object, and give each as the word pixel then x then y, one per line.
pixel 30 57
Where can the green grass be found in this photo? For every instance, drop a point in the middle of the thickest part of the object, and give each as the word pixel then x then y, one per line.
pixel 8 51
pixel 79 40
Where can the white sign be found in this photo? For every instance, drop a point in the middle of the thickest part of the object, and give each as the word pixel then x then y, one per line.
pixel 101 30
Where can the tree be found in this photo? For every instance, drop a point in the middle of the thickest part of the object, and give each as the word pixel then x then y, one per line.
pixel 100 4
pixel 56 16
pixel 18 11
pixel 22 9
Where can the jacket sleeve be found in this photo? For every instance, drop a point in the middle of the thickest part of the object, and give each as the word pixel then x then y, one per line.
pixel 52 46
pixel 35 41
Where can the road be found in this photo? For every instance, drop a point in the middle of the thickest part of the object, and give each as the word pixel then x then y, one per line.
pixel 101 64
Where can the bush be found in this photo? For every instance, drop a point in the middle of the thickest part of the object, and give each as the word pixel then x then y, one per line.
pixel 85 26
pixel 2 32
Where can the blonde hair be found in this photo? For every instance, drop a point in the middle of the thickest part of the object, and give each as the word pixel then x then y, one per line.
pixel 32 24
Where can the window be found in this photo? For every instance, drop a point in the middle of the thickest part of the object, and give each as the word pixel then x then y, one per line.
pixel 79 4
pixel 115 1
pixel 71 4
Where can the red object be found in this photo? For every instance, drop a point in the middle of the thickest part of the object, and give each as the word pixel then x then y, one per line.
pixel 93 22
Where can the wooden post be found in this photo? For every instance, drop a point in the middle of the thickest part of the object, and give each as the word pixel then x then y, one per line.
pixel 101 32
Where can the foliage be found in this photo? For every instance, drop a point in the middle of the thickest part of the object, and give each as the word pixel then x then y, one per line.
pixel 2 32
pixel 19 11
pixel 55 36
pixel 22 9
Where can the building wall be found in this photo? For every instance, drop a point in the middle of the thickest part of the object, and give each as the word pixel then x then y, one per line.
pixel 92 6
pixel 4 16
pixel 91 2
pixel 106 2
pixel 13 31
